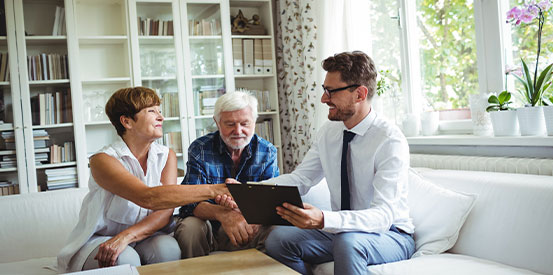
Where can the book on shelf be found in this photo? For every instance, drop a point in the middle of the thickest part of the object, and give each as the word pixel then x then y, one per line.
pixel 154 27
pixel 264 129
pixel 252 56
pixel 4 69
pixel 61 178
pixel 207 97
pixel 8 188
pixel 237 58
pixel 51 108
pixel 258 56
pixel 47 66
pixel 263 99
pixel 170 104
pixel 204 27
pixel 59 21
pixel 173 140
pixel 247 48
pixel 62 153
pixel 267 56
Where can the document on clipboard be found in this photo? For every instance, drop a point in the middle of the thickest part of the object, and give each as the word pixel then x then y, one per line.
pixel 258 202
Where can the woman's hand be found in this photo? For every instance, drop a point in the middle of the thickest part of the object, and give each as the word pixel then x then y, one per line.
pixel 110 250
pixel 226 201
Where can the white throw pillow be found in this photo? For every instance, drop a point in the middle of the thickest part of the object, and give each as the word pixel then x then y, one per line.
pixel 437 214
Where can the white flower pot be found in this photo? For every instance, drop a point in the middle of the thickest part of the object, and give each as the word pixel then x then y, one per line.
pixel 531 121
pixel 430 121
pixel 411 125
pixel 548 115
pixel 505 123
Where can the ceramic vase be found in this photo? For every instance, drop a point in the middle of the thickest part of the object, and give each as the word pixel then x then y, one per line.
pixel 505 123
pixel 531 121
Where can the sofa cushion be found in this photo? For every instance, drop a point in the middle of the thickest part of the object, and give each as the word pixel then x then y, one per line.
pixel 29 267
pixel 37 225
pixel 451 264
pixel 437 213
pixel 511 219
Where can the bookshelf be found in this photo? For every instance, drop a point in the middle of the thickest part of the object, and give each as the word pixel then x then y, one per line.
pixel 183 49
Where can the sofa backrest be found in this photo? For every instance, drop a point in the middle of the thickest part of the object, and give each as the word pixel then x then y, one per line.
pixel 37 225
pixel 511 220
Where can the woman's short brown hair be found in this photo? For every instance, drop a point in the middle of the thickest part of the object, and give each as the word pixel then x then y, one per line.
pixel 355 68
pixel 128 102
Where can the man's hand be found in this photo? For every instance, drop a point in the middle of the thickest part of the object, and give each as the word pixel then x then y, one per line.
pixel 237 229
pixel 110 250
pixel 231 181
pixel 310 217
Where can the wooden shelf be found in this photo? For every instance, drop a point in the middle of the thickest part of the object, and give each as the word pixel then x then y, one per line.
pixel 48 82
pixel 56 165
pixel 59 125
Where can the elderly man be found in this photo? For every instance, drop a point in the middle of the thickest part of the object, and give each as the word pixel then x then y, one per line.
pixel 234 151
pixel 369 222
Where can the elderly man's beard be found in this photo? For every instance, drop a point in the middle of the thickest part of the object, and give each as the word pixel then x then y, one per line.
pixel 237 142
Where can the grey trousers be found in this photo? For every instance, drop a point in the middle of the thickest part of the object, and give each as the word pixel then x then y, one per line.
pixel 196 238
pixel 157 248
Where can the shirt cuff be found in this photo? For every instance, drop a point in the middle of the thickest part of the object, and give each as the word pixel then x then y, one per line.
pixel 332 221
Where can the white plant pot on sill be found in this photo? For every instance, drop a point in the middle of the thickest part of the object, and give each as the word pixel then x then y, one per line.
pixel 548 114
pixel 531 121
pixel 505 123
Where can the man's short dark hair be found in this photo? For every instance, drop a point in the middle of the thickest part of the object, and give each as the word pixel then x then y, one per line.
pixel 355 68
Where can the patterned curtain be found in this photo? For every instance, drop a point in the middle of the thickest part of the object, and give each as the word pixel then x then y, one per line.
pixel 296 35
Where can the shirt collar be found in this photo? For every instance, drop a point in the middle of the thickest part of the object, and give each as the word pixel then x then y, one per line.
pixel 363 126
pixel 123 150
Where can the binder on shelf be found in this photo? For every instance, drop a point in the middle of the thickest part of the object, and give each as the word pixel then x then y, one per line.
pixel 248 56
pixel 237 56
pixel 258 56
pixel 267 56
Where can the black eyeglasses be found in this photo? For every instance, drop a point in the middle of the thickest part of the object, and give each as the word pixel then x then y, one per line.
pixel 329 92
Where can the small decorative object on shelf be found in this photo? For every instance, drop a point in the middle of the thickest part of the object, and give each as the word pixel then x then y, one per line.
pixel 244 26
pixel 504 118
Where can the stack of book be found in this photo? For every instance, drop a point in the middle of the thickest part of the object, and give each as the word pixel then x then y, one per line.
pixel 62 153
pixel 151 27
pixel 59 21
pixel 263 100
pixel 252 56
pixel 204 27
pixel 61 178
pixel 51 108
pixel 47 66
pixel 264 129
pixel 41 139
pixel 8 188
pixel 8 161
pixel 4 67
pixel 207 96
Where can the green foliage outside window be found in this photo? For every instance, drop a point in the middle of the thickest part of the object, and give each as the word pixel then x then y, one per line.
pixel 448 52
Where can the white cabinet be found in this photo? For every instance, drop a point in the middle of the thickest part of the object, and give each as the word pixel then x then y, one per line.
pixel 183 49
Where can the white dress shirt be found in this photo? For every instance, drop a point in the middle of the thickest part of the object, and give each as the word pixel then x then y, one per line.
pixel 104 214
pixel 378 169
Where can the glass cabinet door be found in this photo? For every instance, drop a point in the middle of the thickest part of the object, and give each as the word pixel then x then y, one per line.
pixel 207 68
pixel 51 142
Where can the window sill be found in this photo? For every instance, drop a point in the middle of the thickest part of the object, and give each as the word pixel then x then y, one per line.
pixel 481 140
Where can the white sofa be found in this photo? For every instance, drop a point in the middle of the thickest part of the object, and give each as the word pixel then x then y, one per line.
pixel 507 231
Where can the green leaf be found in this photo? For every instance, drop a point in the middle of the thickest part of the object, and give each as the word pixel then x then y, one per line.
pixel 504 97
pixel 492 108
pixel 544 76
pixel 525 85
pixel 528 78
pixel 493 99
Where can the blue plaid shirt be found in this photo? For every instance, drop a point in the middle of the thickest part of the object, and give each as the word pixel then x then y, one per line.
pixel 209 162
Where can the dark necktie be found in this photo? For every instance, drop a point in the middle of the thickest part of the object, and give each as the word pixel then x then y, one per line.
pixel 348 136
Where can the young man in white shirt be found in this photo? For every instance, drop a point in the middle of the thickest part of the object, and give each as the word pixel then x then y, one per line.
pixel 369 222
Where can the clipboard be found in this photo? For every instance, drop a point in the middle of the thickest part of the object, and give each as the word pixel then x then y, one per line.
pixel 258 202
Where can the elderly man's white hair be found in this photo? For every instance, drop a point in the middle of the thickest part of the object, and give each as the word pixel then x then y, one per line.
pixel 233 102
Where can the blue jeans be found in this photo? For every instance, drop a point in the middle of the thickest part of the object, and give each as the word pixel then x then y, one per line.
pixel 350 251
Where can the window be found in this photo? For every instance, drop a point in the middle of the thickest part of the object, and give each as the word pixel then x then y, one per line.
pixel 447 46
pixel 386 52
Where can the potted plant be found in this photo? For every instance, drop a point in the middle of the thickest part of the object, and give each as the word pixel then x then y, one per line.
pixel 504 118
pixel 531 116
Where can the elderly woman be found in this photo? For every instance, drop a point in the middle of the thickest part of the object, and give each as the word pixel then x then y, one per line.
pixel 127 213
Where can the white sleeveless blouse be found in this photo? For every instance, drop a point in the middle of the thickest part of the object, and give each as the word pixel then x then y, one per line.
pixel 104 214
